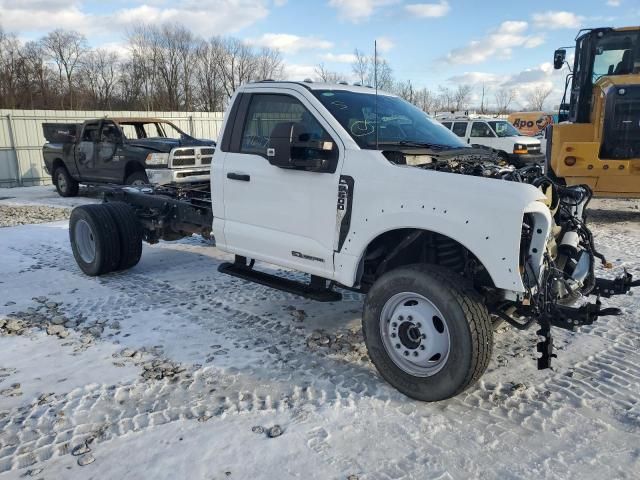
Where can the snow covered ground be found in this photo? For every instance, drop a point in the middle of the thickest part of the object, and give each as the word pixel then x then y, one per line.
pixel 172 370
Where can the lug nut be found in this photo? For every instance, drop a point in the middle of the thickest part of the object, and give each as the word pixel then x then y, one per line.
pixel 419 325
pixel 421 347
pixel 409 318
pixel 400 318
pixel 424 335
pixel 406 353
pixel 415 354
pixel 397 345
pixel 394 324
pixel 393 335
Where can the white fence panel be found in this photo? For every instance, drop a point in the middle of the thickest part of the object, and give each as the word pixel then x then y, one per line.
pixel 21 137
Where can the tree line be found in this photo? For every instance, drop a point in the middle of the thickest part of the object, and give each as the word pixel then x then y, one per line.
pixel 168 68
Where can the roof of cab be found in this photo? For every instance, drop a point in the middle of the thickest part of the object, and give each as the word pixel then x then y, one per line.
pixel 318 86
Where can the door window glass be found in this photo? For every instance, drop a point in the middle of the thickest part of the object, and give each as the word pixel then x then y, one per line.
pixel 90 133
pixel 481 129
pixel 460 128
pixel 110 133
pixel 447 124
pixel 268 115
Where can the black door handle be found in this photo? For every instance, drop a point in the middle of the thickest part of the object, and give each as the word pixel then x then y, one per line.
pixel 243 177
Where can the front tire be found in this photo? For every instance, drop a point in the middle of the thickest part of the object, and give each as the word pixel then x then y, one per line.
pixel 137 179
pixel 94 239
pixel 427 331
pixel 64 182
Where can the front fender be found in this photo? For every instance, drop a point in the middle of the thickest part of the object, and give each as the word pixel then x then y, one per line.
pixel 484 215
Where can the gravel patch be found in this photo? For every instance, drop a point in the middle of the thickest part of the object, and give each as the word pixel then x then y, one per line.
pixel 12 215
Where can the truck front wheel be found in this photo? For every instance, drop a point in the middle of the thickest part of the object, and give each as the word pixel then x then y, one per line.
pixel 137 179
pixel 65 184
pixel 427 331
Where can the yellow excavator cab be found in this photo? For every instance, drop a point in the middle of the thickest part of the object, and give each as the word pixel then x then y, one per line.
pixel 598 144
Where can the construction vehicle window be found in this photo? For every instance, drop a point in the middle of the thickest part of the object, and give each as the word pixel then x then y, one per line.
pixel 614 54
pixel 460 128
pixel 266 111
pixel 481 129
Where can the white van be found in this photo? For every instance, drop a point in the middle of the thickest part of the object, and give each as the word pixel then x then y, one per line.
pixel 498 134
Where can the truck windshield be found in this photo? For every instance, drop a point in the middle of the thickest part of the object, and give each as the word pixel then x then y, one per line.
pixel 397 123
pixel 504 129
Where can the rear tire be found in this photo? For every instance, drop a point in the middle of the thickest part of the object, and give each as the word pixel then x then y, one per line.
pixel 427 331
pixel 129 233
pixel 94 239
pixel 137 178
pixel 65 184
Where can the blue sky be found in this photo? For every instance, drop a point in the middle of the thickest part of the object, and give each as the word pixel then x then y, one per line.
pixel 501 44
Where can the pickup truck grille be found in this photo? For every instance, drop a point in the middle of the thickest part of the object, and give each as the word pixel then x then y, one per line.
pixel 191 157
pixel 534 149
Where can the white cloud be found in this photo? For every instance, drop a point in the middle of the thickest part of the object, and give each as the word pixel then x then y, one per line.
pixel 297 72
pixel 358 10
pixel 229 16
pixel 428 9
pixel 339 57
pixel 498 43
pixel 384 44
pixel 554 20
pixel 613 3
pixel 279 3
pixel 288 43
pixel 45 15
pixel 477 78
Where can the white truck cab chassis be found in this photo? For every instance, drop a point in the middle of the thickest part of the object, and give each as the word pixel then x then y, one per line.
pixel 361 190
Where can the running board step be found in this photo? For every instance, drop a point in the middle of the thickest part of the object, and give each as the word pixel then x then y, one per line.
pixel 296 288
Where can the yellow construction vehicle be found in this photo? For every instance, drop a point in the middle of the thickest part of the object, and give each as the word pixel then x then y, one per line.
pixel 599 143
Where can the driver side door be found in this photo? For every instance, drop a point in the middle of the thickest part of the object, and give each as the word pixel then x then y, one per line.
pixel 110 159
pixel 284 216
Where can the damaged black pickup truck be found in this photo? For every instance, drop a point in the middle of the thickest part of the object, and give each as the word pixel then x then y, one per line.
pixel 129 151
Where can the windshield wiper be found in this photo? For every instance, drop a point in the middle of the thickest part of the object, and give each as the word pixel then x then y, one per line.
pixel 412 143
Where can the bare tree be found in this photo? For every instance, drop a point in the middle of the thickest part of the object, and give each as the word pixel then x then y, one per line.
pixel 426 100
pixel 536 97
pixel 503 98
pixel 405 90
pixel 269 65
pixel 446 98
pixel 327 75
pixel 361 66
pixel 462 96
pixel 100 73
pixel 66 49
pixel 10 68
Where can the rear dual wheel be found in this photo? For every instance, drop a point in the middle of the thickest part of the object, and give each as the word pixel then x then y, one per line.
pixel 105 237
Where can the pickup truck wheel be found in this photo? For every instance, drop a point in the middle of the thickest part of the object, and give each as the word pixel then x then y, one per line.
pixel 137 179
pixel 427 332
pixel 129 233
pixel 65 184
pixel 94 239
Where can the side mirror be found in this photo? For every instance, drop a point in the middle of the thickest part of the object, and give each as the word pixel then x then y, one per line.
pixel 558 58
pixel 290 148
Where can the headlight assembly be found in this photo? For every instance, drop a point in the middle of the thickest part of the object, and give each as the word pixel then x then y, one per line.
pixel 157 159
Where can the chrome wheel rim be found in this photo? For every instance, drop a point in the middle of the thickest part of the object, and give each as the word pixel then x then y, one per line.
pixel 62 182
pixel 415 334
pixel 85 241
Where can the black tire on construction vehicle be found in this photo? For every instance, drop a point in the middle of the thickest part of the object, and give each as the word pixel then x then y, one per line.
pixel 427 331
pixel 137 178
pixel 94 239
pixel 64 182
pixel 129 232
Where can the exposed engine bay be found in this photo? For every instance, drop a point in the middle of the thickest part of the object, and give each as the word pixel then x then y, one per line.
pixel 570 255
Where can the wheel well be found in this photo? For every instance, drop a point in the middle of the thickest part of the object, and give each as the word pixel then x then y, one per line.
pixel 57 163
pixel 132 167
pixel 406 246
